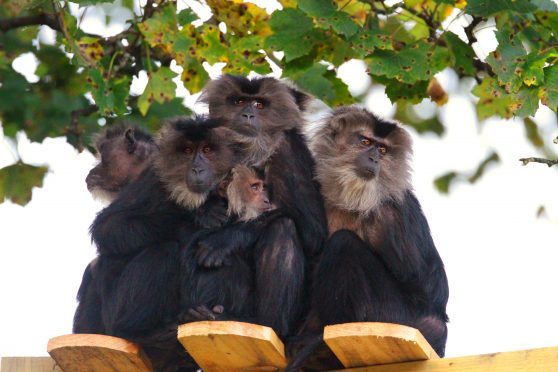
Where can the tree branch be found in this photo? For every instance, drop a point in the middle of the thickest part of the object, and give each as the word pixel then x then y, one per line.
pixel 548 162
pixel 33 20
pixel 469 30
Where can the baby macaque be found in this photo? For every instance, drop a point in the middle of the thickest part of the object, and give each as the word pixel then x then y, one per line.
pixel 246 193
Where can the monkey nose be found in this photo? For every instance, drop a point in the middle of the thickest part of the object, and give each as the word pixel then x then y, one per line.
pixel 248 116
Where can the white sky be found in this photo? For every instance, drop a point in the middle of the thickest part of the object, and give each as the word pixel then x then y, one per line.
pixel 500 259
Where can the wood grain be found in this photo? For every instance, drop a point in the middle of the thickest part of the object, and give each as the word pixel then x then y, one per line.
pixel 232 346
pixel 543 360
pixel 89 352
pixel 366 344
pixel 29 364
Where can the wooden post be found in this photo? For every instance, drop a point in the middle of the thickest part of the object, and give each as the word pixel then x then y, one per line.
pixel 90 352
pixel 232 346
pixel 366 344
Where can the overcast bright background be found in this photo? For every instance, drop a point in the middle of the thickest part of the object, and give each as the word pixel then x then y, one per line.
pixel 501 259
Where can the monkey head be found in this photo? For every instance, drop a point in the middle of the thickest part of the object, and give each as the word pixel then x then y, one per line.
pixel 124 152
pixel 195 155
pixel 254 106
pixel 361 160
pixel 247 193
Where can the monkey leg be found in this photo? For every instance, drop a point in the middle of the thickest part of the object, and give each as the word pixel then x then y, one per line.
pixel 146 293
pixel 229 287
pixel 352 284
pixel 280 276
pixel 88 318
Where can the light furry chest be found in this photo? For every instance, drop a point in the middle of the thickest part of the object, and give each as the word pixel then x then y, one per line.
pixel 366 227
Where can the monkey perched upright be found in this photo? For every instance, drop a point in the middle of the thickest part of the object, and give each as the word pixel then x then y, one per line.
pixel 379 263
pixel 124 152
pixel 265 115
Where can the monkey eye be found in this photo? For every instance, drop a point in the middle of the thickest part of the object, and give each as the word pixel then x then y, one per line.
pixel 258 104
pixel 382 150
pixel 188 150
pixel 206 149
pixel 365 142
pixel 239 101
pixel 254 186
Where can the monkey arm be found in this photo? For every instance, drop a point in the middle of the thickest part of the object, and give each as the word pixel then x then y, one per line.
pixel 140 217
pixel 290 176
pixel 410 254
pixel 214 249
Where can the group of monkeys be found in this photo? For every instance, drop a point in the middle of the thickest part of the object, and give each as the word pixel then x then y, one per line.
pixel 243 214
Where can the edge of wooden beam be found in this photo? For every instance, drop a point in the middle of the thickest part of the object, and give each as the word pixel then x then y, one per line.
pixel 92 340
pixel 212 327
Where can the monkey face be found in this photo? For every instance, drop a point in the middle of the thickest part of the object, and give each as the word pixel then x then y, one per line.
pixel 254 107
pixel 123 156
pixel 368 154
pixel 361 160
pixel 257 197
pixel 195 155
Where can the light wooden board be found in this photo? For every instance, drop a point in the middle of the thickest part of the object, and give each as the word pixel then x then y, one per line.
pixel 536 360
pixel 230 346
pixel 29 364
pixel 366 344
pixel 88 352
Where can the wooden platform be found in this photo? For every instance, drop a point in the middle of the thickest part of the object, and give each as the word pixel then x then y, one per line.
pixel 367 344
pixel 88 352
pixel 232 346
pixel 28 364
pixel 535 360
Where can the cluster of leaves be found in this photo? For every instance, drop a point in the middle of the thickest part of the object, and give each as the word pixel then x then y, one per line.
pixel 85 77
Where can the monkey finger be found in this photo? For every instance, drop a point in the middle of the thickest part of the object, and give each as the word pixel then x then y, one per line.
pixel 219 309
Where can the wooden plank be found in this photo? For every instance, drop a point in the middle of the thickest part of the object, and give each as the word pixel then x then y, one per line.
pixel 230 346
pixel 90 352
pixel 28 364
pixel 545 359
pixel 366 344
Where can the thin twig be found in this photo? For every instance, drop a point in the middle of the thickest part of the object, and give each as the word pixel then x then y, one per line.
pixel 548 162
pixel 469 30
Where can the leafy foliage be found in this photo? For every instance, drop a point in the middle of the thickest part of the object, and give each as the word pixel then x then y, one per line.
pixel 85 77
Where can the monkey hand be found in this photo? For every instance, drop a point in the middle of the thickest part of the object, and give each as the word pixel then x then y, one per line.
pixel 211 252
pixel 202 312
pixel 212 214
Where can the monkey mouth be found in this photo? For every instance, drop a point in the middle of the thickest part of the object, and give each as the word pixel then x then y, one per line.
pixel 366 173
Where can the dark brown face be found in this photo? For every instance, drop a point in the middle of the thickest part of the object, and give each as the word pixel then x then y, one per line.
pixel 122 159
pixel 194 159
pixel 369 153
pixel 254 107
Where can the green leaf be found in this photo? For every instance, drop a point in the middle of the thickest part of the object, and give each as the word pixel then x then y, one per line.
pixel 461 54
pixel 397 91
pixel 487 8
pixel 160 30
pixel 532 133
pixel 526 102
pixel 366 41
pixel 160 88
pixel 492 158
pixel 17 182
pixel 322 83
pixel 294 33
pixel 158 112
pixel 546 5
pixel 533 73
pixel 493 100
pixel 110 95
pixel 507 60
pixel 443 183
pixel 326 16
pixel 214 50
pixel 549 93
pixel 245 56
pixel 194 76
pixel 186 16
pixel 418 61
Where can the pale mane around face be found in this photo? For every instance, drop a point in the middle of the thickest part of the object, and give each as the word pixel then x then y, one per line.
pixel 335 160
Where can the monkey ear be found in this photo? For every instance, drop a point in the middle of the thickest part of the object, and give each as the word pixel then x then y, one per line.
pixel 337 123
pixel 130 140
pixel 302 99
